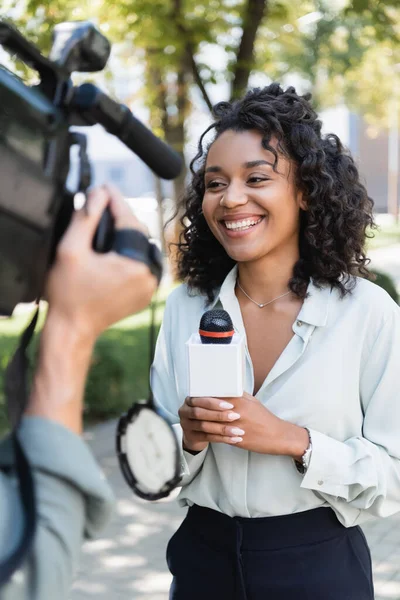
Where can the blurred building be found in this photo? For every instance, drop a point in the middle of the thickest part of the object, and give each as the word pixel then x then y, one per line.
pixel 371 146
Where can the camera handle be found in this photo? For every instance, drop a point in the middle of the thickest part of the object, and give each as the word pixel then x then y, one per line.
pixel 85 170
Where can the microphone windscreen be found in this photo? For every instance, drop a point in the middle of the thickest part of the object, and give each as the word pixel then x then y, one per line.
pixel 216 327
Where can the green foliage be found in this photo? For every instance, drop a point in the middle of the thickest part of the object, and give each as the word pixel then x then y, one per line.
pixel 386 282
pixel 8 344
pixel 119 373
pixel 352 55
pixel 105 384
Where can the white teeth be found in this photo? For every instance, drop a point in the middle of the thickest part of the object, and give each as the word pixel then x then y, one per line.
pixel 235 225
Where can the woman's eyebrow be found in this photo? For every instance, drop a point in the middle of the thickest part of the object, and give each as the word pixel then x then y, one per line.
pixel 247 165
pixel 256 163
pixel 213 169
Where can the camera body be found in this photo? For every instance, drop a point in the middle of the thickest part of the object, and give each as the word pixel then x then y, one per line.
pixel 34 164
pixel 35 143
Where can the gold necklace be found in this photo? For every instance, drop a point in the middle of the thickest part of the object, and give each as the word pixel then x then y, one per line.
pixel 264 303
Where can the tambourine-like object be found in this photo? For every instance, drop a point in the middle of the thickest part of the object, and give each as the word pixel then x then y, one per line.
pixel 148 452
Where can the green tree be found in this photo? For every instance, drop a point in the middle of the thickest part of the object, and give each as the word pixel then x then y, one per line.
pixel 351 54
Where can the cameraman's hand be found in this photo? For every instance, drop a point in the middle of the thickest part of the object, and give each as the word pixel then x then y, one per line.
pixel 91 290
pixel 87 292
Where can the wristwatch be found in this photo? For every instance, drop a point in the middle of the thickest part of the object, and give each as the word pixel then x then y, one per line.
pixel 134 244
pixel 305 459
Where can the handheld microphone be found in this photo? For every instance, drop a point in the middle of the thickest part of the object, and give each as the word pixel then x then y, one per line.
pixel 216 327
pixel 216 358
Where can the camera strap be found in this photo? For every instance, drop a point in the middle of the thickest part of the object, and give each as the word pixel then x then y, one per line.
pixel 16 390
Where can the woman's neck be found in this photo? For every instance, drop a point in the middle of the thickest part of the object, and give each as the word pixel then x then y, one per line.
pixel 266 278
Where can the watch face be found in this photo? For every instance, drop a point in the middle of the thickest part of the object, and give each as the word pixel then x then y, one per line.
pixel 307 458
pixel 149 449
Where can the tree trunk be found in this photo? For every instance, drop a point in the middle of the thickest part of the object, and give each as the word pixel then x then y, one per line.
pixel 253 15
pixel 173 127
pixel 175 136
pixel 158 108
pixel 160 213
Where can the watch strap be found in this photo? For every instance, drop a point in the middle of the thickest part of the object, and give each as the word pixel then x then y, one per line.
pixel 305 459
pixel 136 245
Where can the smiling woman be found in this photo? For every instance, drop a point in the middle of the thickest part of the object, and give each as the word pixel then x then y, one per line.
pixel 278 481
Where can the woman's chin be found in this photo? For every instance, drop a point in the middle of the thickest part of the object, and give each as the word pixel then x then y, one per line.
pixel 243 256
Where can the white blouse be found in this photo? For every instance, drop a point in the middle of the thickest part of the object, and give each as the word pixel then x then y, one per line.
pixel 338 376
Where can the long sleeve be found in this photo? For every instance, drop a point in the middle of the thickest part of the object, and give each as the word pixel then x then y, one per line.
pixel 73 501
pixel 364 471
pixel 164 384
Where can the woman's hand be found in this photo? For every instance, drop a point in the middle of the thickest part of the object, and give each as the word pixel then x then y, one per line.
pixel 243 422
pixel 205 420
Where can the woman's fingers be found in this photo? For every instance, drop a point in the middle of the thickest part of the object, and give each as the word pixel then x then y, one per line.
pixel 208 409
pixel 216 428
pixel 209 403
pixel 205 420
pixel 218 439
pixel 202 414
pixel 200 437
pixel 212 428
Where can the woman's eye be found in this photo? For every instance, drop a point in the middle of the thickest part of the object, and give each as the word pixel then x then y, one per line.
pixel 257 179
pixel 213 184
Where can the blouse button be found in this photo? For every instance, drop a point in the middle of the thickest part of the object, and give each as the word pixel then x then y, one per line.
pixel 320 482
pixel 299 323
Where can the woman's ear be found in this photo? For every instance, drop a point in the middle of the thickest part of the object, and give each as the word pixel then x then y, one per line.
pixel 301 201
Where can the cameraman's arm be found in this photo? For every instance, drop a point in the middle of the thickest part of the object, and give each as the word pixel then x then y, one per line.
pixel 87 292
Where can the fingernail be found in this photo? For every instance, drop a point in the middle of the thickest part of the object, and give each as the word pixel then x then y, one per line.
pixel 225 405
pixel 236 440
pixel 237 431
pixel 233 416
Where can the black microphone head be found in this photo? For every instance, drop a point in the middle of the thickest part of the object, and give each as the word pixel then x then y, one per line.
pixel 216 327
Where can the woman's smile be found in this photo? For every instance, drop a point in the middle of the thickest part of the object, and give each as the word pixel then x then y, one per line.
pixel 240 225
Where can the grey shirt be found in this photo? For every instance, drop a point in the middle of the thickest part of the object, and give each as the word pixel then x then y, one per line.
pixel 73 501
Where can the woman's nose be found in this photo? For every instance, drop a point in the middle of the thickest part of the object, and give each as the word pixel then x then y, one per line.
pixel 232 198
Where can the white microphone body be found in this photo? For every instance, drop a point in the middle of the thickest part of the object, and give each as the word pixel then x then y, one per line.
pixel 216 370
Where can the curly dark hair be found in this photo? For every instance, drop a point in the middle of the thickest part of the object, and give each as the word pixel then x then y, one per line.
pixel 333 229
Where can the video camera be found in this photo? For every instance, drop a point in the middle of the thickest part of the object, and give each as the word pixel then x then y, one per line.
pixel 35 143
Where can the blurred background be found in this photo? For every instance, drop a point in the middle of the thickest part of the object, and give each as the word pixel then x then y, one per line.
pixel 171 61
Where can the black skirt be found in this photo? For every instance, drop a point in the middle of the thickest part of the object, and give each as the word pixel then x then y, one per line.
pixel 303 556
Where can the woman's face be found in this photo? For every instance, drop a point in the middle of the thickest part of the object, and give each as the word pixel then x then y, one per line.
pixel 252 210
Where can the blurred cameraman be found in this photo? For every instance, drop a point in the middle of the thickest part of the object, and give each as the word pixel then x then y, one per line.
pixel 87 292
